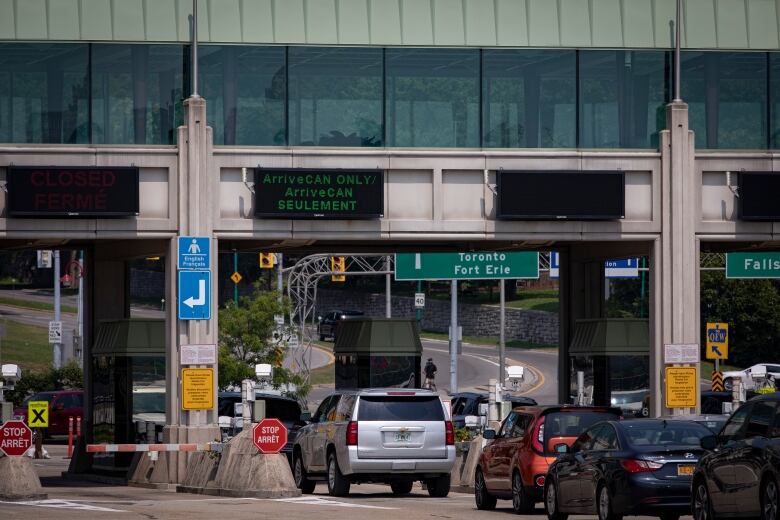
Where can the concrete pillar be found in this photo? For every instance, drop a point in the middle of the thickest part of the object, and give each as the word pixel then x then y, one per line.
pixel 674 256
pixel 197 208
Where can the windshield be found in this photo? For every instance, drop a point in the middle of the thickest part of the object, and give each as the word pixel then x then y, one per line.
pixel 394 408
pixel 40 397
pixel 151 402
pixel 571 424
pixel 642 434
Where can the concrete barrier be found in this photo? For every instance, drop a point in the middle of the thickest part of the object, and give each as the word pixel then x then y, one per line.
pixel 19 481
pixel 240 471
pixel 468 467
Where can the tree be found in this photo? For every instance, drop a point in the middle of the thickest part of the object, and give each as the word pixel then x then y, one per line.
pixel 246 339
pixel 65 378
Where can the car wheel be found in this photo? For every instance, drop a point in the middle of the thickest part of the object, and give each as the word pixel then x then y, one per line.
pixel 338 485
pixel 551 503
pixel 485 501
pixel 604 504
pixel 728 384
pixel 439 487
pixel 302 482
pixel 701 507
pixel 521 502
pixel 401 487
pixel 769 500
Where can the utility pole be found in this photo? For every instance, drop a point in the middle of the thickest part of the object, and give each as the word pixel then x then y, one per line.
pixel 501 336
pixel 57 354
pixel 388 296
pixel 279 268
pixel 454 337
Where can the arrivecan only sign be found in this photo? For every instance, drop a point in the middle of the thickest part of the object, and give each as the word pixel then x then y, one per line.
pixel 319 193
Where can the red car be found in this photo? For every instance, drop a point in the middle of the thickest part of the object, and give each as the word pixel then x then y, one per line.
pixel 62 405
pixel 514 464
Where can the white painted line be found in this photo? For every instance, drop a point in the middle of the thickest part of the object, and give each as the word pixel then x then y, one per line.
pixel 64 504
pixel 317 501
pixel 475 356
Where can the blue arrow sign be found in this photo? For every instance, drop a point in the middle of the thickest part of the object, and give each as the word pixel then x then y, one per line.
pixel 194 253
pixel 194 295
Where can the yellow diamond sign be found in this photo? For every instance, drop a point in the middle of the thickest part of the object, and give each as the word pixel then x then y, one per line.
pixel 236 277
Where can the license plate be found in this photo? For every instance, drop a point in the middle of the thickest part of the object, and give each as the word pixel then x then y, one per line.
pixel 403 436
pixel 684 470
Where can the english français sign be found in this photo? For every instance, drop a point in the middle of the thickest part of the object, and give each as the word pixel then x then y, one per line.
pixel 319 193
pixel 89 191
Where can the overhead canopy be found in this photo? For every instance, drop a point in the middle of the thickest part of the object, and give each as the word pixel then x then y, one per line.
pixel 610 337
pixel 138 337
pixel 378 336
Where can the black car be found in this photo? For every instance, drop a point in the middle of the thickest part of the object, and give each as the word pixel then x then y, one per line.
pixel 739 473
pixel 637 467
pixel 328 326
pixel 467 403
pixel 286 409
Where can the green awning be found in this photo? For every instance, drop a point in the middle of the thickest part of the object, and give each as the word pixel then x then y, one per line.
pixel 610 337
pixel 138 337
pixel 378 336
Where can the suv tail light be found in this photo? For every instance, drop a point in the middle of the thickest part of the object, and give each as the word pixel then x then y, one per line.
pixel 352 433
pixel 450 433
pixel 639 466
pixel 537 439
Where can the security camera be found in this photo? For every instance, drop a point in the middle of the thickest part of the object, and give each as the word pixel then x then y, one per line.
pixel 11 373
pixel 263 371
pixel 515 374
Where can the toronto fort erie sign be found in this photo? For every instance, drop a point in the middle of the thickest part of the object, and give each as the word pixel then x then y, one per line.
pixel 319 193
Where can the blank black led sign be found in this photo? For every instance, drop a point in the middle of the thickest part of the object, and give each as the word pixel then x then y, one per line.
pixel 88 191
pixel 310 193
pixel 759 196
pixel 560 195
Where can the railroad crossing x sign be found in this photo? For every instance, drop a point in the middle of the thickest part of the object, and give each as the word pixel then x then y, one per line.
pixel 38 414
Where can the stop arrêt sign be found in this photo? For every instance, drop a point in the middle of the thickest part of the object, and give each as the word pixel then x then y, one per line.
pixel 269 435
pixel 15 438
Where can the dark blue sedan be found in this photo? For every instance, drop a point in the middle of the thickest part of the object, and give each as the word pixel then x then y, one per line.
pixel 616 468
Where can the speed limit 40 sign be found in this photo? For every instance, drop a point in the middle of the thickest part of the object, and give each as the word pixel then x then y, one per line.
pixel 419 300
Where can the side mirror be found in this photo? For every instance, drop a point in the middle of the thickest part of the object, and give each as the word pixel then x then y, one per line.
pixel 561 448
pixel 305 417
pixel 709 442
pixel 489 434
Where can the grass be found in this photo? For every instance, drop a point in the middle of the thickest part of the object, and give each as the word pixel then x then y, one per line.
pixel 26 345
pixel 487 340
pixel 708 366
pixel 541 300
pixel 36 305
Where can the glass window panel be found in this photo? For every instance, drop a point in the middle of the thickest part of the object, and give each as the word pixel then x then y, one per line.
pixel 726 94
pixel 432 97
pixel 335 96
pixel 774 97
pixel 43 93
pixel 137 93
pixel 245 90
pixel 529 99
pixel 622 98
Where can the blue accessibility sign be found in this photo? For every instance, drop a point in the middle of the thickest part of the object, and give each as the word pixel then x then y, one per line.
pixel 194 253
pixel 194 295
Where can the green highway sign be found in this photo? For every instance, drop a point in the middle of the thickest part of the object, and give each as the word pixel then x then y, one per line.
pixel 483 265
pixel 753 265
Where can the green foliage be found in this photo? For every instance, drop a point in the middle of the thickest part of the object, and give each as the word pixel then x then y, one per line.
pixel 462 434
pixel 245 339
pixel 750 307
pixel 67 377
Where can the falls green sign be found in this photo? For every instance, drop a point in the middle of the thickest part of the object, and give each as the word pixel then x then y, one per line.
pixel 753 265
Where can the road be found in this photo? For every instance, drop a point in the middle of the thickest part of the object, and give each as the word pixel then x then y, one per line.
pixel 80 500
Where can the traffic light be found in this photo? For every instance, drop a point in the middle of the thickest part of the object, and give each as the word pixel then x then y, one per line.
pixel 338 264
pixel 266 260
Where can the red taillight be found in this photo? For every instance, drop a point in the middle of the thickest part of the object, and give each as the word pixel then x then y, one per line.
pixel 537 439
pixel 539 481
pixel 450 433
pixel 639 466
pixel 352 433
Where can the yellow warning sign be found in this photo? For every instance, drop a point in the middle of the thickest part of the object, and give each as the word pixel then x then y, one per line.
pixel 197 388
pixel 717 381
pixel 717 341
pixel 236 277
pixel 681 387
pixel 38 414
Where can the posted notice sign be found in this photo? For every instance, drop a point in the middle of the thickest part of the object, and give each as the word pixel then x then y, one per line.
pixel 680 387
pixel 197 388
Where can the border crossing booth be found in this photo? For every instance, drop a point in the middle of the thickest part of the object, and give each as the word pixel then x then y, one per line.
pixel 377 352
pixel 128 386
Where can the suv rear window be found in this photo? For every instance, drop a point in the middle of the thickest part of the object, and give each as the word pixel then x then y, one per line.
pixel 396 408
pixel 572 424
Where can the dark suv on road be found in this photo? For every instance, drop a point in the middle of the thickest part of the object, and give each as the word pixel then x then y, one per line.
pixel 738 476
pixel 329 324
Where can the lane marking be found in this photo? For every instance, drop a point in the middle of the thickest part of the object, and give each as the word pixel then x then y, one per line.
pixel 317 501
pixel 64 504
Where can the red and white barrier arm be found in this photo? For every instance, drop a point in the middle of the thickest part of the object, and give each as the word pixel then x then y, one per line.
pixel 132 448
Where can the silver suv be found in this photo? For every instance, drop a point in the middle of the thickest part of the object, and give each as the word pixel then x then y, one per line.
pixel 388 436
